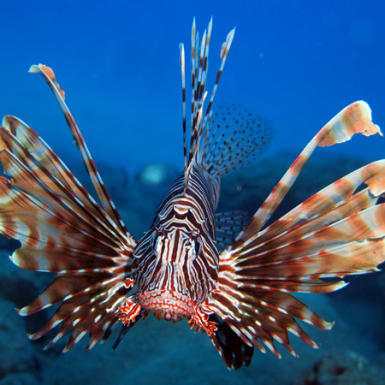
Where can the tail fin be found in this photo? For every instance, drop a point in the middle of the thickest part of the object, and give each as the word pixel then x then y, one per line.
pixel 233 139
pixel 200 115
pixel 62 230
pixel 338 231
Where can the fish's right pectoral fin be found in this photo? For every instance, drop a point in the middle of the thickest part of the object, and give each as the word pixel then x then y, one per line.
pixel 63 230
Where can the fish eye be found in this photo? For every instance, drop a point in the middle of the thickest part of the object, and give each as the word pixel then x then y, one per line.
pixel 197 246
pixel 158 245
pixel 159 237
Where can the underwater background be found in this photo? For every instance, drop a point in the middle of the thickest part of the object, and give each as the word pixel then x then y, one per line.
pixel 294 63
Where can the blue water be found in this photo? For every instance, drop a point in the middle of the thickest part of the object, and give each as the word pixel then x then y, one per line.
pixel 295 62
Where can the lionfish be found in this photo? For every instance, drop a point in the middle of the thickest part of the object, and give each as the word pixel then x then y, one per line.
pixel 240 295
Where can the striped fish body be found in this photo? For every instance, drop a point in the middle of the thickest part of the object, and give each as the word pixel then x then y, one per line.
pixel 234 285
pixel 177 259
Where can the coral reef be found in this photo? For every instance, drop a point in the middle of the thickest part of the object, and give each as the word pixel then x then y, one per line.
pixel 19 363
pixel 343 368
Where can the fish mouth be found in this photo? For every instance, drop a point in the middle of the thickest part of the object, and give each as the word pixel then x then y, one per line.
pixel 165 304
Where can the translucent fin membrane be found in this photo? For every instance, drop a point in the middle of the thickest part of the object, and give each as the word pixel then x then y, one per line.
pixel 355 118
pixel 338 231
pixel 234 138
pixel 63 230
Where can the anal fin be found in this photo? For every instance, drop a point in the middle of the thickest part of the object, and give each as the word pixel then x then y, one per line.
pixel 234 352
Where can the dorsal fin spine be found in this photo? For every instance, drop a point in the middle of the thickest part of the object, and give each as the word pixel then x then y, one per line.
pixel 224 52
pixel 183 75
pixel 200 115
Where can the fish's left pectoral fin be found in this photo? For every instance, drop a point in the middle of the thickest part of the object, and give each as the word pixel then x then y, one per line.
pixel 356 118
pixel 337 232
pixel 259 315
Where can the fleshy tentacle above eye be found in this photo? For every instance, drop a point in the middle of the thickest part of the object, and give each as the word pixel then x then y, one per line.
pixel 337 232
pixel 62 229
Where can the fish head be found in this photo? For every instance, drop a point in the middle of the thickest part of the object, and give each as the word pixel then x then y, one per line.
pixel 170 273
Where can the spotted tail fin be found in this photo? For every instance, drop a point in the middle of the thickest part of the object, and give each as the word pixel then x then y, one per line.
pixel 227 225
pixel 337 232
pixel 63 230
pixel 233 139
pixel 200 113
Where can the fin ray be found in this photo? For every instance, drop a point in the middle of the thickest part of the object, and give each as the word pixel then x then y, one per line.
pixel 96 179
pixel 355 118
pixel 199 67
pixel 62 229
pixel 337 232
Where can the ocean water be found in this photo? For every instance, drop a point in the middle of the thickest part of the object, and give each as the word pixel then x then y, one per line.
pixel 296 63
